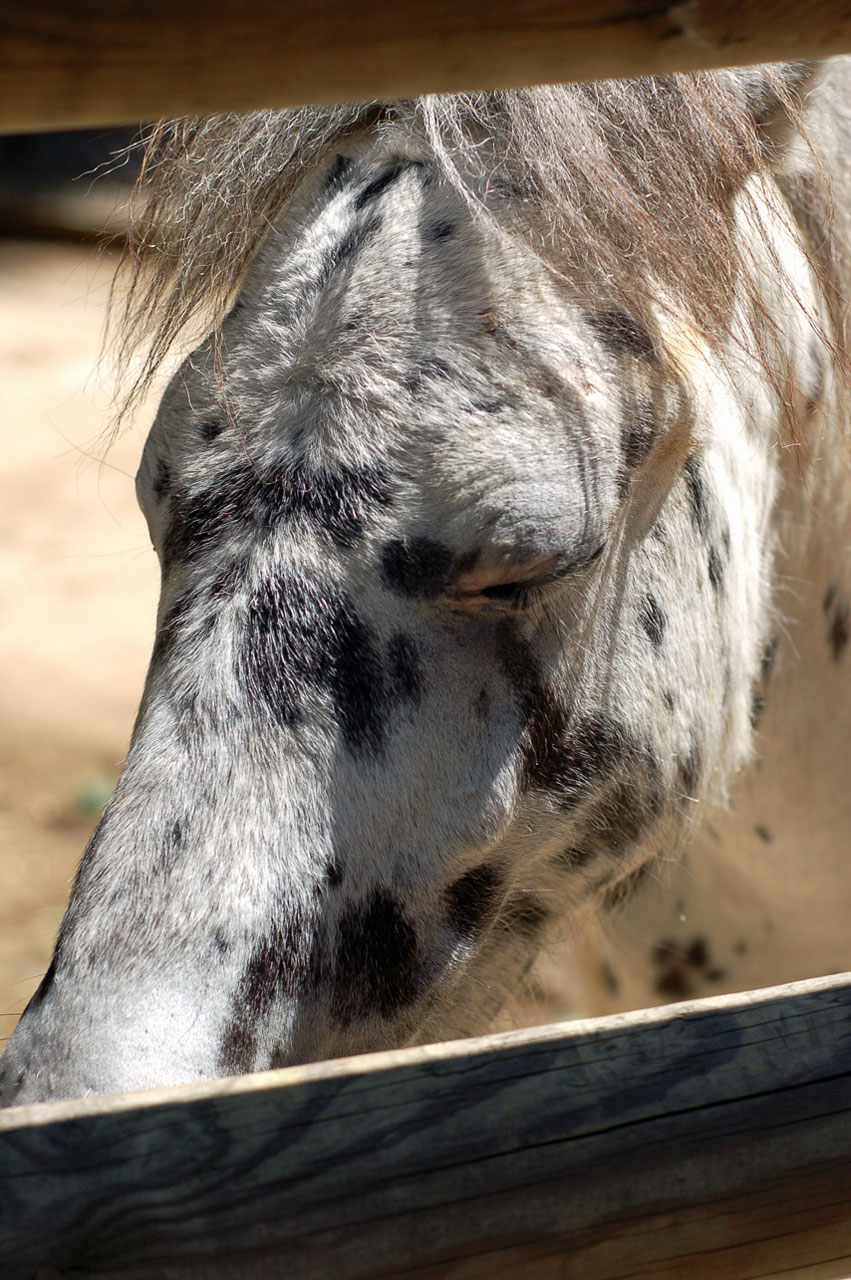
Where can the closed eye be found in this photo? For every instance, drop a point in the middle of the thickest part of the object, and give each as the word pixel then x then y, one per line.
pixel 517 586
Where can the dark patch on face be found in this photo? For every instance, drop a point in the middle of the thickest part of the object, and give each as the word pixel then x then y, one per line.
pixel 741 948
pixel 172 845
pixel 830 596
pixel 623 815
pixel 405 681
pixel 624 889
pixel 419 567
pixel 839 631
pixel 653 620
pixel 379 185
pixel 763 833
pixel 473 898
pixel 524 917
pixel 347 247
pixel 435 231
pixel 274 971
pixel 286 644
pixel 300 636
pixel 338 175
pixel 638 432
pixel 622 335
pixel 715 569
pixel 594 749
pixel 377 960
pixel 561 758
pixel 162 480
pixel 210 429
pixel 696 488
pixel 575 856
pixel 757 709
pixel 357 682
pixel 336 502
pixel 688 771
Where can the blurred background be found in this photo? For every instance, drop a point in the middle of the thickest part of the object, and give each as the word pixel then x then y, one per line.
pixel 78 579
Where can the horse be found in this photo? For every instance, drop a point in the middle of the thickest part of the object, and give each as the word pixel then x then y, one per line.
pixel 503 511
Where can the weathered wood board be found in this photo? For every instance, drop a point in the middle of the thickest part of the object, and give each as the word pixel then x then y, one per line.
pixel 79 62
pixel 710 1139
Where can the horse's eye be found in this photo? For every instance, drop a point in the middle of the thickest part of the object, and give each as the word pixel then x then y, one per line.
pixel 514 593
pixel 517 585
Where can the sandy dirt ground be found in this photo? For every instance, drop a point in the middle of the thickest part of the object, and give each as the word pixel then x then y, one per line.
pixel 78 589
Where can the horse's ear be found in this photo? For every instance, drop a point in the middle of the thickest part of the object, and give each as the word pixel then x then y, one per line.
pixel 775 98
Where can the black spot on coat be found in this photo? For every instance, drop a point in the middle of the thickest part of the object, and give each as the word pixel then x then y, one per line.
pixel 653 620
pixel 638 433
pixel 625 888
pixel 688 770
pixel 379 185
pixel 276 969
pixel 715 569
pixel 524 917
pixel 562 758
pixel 419 567
pixel 338 175
pixel 441 230
pixel 333 501
pixel 347 248
pixel 357 682
pixel 299 635
pixel 377 960
pixel 472 899
pixel 696 489
pixel 622 335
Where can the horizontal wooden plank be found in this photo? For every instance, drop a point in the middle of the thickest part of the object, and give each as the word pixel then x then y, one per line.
pixel 81 62
pixel 710 1139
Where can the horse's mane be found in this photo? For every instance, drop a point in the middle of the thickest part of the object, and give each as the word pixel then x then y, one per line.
pixel 627 183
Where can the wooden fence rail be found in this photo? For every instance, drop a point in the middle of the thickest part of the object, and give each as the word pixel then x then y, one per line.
pixel 709 1139
pixel 78 62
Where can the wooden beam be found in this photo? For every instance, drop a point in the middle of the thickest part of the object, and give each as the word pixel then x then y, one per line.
pixel 710 1139
pixel 83 62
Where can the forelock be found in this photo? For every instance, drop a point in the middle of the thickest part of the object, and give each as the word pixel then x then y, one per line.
pixel 608 208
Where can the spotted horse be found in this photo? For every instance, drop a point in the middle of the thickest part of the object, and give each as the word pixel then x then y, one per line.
pixel 503 518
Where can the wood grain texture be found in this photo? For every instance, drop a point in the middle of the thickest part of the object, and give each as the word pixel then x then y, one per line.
pixel 711 1139
pixel 82 62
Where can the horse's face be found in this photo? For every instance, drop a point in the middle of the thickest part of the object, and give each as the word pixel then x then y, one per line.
pixel 435 660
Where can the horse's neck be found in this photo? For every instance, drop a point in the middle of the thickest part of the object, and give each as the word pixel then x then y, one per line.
pixel 762 893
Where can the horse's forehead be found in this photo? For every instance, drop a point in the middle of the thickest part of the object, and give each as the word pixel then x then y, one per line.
pixel 376 288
